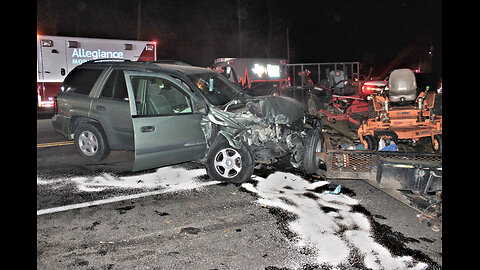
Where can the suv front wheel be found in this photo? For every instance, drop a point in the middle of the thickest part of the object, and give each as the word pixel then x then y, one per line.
pixel 225 163
pixel 90 142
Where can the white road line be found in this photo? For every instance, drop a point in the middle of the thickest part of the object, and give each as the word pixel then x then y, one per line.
pixel 114 199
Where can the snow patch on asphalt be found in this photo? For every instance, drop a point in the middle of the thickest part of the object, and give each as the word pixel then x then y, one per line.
pixel 167 178
pixel 325 223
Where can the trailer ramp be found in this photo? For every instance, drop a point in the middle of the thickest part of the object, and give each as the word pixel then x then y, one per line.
pixel 412 178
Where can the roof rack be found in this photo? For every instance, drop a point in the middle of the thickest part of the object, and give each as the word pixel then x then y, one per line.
pixel 172 62
pixel 102 60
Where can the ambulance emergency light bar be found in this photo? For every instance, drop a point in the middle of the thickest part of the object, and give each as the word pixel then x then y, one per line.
pixel 272 71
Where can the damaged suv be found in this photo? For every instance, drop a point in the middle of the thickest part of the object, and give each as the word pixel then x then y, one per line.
pixel 170 114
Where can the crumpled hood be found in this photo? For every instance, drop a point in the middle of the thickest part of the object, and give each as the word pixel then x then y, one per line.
pixel 245 117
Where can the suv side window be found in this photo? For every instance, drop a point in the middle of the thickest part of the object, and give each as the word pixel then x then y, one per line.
pixel 115 87
pixel 81 80
pixel 155 96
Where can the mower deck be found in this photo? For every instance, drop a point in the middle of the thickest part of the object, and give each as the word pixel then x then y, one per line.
pixel 404 128
pixel 346 108
pixel 402 122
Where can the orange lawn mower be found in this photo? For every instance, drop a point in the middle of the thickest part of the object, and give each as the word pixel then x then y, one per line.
pixel 403 123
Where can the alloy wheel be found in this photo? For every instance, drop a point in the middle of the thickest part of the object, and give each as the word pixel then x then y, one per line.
pixel 88 143
pixel 228 162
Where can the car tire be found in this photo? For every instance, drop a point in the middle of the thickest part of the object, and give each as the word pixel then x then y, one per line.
pixel 228 164
pixel 91 143
pixel 313 144
pixel 370 143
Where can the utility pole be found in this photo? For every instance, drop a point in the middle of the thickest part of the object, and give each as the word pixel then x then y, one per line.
pixel 269 42
pixel 239 16
pixel 288 47
pixel 139 16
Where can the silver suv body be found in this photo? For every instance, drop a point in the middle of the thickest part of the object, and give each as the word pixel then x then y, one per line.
pixel 170 114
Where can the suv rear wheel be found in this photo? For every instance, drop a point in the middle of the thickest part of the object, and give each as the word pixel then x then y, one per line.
pixel 90 142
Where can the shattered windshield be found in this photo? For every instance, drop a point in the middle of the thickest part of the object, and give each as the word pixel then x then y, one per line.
pixel 216 88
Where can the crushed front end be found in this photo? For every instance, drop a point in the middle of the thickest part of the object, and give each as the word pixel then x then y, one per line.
pixel 273 127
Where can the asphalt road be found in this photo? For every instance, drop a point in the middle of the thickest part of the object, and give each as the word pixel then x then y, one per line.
pixel 208 225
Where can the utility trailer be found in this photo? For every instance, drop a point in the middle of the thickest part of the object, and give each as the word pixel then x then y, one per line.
pixel 412 178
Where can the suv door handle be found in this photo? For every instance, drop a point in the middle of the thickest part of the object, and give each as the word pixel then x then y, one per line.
pixel 101 108
pixel 147 129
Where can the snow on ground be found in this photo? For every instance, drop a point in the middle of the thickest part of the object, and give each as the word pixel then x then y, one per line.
pixel 167 178
pixel 325 223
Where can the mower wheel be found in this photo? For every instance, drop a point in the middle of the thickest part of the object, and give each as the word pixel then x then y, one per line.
pixel 370 142
pixel 437 144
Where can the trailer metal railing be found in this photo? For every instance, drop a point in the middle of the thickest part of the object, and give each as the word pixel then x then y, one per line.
pixel 319 71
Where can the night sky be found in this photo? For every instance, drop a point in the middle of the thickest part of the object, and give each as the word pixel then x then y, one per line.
pixel 382 34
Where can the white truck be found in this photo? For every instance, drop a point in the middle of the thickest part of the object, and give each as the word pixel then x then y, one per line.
pixel 58 55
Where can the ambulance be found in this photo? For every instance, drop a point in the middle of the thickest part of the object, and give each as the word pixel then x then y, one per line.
pixel 257 76
pixel 58 55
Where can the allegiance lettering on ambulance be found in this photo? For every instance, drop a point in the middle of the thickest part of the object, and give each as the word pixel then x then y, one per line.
pixel 82 53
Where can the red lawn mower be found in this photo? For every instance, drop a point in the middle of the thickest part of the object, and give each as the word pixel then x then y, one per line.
pixel 340 100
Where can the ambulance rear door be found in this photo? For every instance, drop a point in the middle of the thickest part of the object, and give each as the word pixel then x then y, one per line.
pixel 53 64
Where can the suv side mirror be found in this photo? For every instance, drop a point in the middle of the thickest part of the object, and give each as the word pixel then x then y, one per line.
pixel 201 106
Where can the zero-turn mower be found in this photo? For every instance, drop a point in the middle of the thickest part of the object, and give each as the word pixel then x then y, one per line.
pixel 407 123
pixel 343 102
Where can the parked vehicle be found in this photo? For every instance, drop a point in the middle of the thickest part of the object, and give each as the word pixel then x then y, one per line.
pixel 257 76
pixel 58 55
pixel 373 88
pixel 170 114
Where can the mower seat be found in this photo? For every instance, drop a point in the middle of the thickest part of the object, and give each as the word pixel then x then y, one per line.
pixel 339 83
pixel 402 86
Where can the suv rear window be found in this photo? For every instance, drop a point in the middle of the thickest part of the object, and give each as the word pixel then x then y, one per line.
pixel 81 80
pixel 115 87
